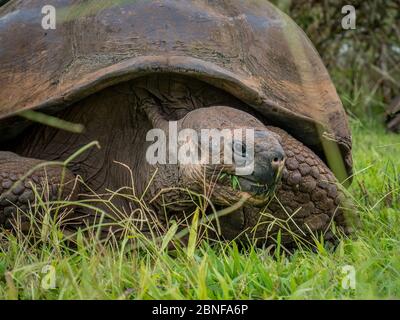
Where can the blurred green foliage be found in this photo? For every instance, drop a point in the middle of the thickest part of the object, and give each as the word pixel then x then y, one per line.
pixel 364 63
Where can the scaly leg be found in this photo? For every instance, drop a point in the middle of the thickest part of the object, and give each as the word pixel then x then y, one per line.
pixel 309 198
pixel 17 192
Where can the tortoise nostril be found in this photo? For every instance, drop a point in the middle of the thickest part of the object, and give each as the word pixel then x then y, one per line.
pixel 277 162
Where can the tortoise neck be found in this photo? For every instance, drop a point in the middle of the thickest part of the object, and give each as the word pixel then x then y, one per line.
pixel 152 108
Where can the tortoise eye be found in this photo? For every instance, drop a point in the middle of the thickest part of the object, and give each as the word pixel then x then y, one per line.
pixel 239 148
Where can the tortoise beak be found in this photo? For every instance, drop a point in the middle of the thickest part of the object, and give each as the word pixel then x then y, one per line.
pixel 266 175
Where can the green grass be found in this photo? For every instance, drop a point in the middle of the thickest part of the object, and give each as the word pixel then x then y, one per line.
pixel 94 271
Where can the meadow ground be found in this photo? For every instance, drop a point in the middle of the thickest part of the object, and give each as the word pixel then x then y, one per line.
pixel 94 271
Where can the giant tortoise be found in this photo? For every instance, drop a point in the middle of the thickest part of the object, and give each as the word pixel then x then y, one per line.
pixel 122 68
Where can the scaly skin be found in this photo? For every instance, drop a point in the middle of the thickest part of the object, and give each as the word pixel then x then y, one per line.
pixel 308 193
pixel 307 183
pixel 18 193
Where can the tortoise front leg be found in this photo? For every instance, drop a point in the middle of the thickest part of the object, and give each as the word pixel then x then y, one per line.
pixel 21 179
pixel 307 201
pixel 309 192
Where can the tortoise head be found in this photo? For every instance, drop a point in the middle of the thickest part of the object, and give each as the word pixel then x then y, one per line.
pixel 229 152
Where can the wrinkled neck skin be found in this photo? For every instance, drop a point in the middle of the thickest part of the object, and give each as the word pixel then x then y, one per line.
pixel 119 118
pixel 112 117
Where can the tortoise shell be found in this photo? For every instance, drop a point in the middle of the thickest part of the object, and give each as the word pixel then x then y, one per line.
pixel 248 48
